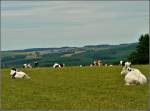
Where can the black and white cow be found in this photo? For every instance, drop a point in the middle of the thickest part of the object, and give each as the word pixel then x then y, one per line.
pixel 18 74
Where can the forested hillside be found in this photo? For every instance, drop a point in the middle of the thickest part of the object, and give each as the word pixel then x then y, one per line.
pixel 110 54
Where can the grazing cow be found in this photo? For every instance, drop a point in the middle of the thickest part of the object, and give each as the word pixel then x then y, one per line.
pixel 56 65
pixel 133 76
pixel 18 74
pixel 62 65
pixel 36 64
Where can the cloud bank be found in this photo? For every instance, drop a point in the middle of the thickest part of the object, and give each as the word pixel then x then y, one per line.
pixel 29 24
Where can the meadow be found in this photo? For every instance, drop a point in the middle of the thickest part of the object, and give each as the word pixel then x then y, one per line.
pixel 80 88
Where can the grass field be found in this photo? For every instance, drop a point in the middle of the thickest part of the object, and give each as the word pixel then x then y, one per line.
pixel 85 88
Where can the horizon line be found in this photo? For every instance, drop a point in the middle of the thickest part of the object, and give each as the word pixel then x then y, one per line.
pixel 65 46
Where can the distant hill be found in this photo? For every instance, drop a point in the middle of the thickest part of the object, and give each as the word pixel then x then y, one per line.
pixel 109 54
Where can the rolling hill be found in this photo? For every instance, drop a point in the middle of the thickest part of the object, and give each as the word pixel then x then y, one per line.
pixel 109 54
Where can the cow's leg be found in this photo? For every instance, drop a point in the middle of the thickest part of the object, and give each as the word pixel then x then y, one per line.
pixel 13 77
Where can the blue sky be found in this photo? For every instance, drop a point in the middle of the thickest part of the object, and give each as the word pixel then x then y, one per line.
pixel 37 24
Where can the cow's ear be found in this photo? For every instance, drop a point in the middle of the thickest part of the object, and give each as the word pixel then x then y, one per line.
pixel 129 69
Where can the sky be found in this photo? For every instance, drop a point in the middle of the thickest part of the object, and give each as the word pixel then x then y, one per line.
pixel 46 24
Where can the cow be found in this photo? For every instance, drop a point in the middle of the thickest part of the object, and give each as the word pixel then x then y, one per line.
pixel 36 64
pixel 56 65
pixel 27 66
pixel 18 74
pixel 133 76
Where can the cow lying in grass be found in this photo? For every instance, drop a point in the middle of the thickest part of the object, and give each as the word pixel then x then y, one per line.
pixel 133 76
pixel 18 74
pixel 27 66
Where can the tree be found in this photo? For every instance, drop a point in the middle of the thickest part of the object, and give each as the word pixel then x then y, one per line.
pixel 141 55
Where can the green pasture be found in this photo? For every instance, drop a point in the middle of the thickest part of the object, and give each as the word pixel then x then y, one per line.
pixel 80 88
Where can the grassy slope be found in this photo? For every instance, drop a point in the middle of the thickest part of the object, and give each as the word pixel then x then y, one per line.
pixel 73 88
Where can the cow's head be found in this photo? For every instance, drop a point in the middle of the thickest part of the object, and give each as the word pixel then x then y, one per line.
pixel 13 70
pixel 126 70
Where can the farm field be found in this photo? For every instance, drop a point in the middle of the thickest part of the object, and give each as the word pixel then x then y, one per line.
pixel 83 88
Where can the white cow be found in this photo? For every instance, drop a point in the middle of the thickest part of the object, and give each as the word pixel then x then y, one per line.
pixel 18 74
pixel 80 65
pixel 127 64
pixel 56 65
pixel 133 76
pixel 123 63
pixel 110 65
pixel 27 66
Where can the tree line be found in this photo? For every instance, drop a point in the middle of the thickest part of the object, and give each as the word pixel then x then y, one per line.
pixel 141 55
